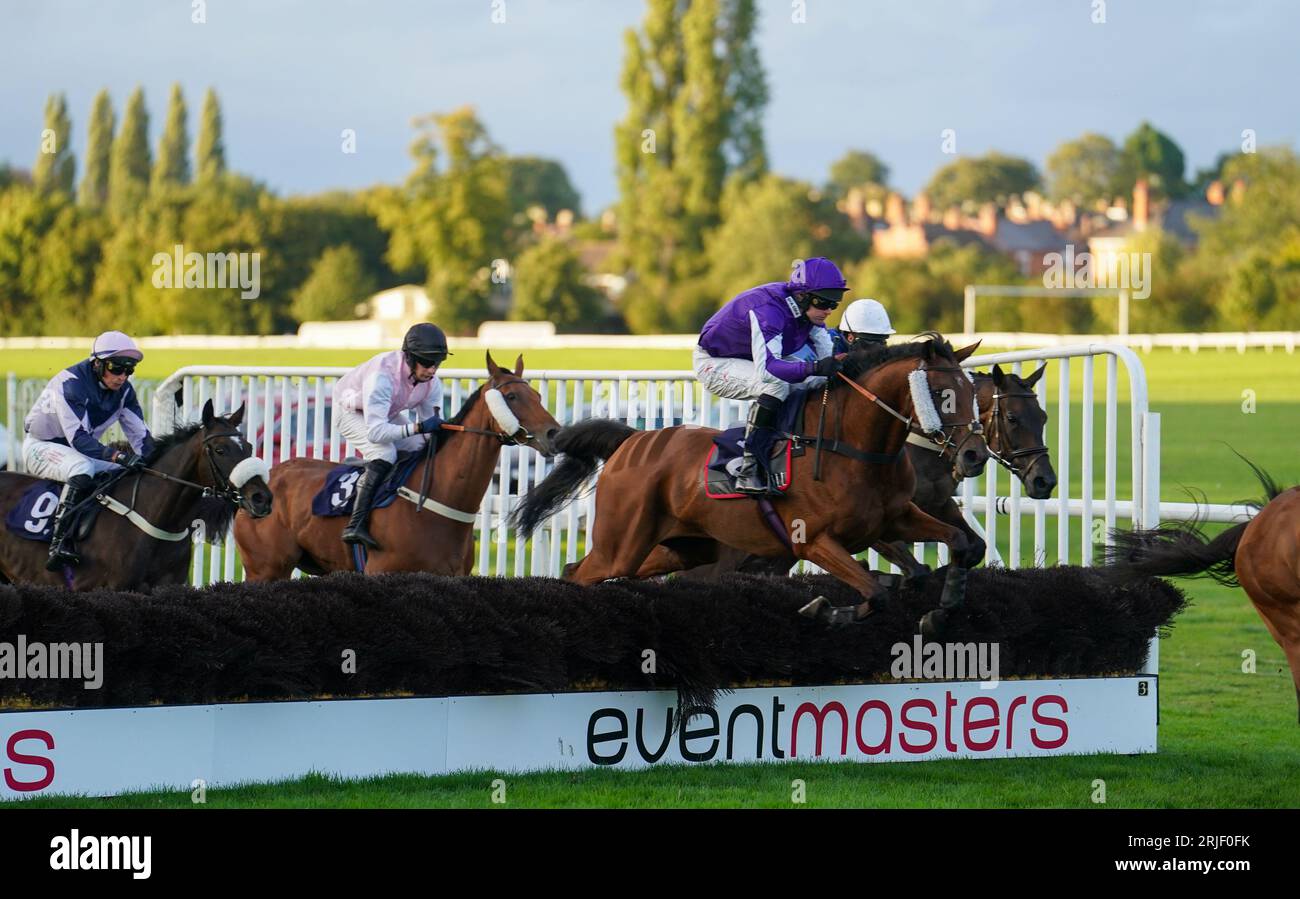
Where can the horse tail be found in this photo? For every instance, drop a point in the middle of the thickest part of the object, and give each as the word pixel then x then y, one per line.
pixel 1174 549
pixel 584 446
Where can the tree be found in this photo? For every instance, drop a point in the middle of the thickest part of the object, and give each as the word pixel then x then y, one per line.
pixel 337 284
pixel 548 286
pixel 26 215
pixel 93 193
pixel 173 166
pixel 746 93
pixel 128 174
pixel 540 182
pixel 211 147
pixel 450 217
pixel 689 125
pixel 856 168
pixel 1084 170
pixel 56 165
pixel 991 178
pixel 768 224
pixel 1153 155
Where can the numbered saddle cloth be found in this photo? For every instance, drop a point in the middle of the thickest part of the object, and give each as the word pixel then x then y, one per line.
pixel 33 517
pixel 336 497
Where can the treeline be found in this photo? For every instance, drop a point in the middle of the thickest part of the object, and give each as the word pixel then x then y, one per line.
pixel 77 254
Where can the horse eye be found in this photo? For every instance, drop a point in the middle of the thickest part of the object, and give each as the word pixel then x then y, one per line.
pixel 510 397
pixel 1012 419
pixel 221 451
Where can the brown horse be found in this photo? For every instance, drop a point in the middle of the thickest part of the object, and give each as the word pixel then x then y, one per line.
pixel 652 516
pixel 439 540
pixel 1013 424
pixel 210 458
pixel 1261 555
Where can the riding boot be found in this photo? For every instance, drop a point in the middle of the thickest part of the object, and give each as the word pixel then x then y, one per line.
pixel 358 529
pixel 62 552
pixel 753 477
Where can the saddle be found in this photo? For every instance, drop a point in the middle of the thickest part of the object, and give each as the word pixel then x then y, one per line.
pixel 338 493
pixel 723 459
pixel 33 517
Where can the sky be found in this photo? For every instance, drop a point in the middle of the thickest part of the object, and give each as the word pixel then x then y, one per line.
pixel 1018 76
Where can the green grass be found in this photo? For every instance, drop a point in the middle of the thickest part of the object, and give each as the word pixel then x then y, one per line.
pixel 1227 739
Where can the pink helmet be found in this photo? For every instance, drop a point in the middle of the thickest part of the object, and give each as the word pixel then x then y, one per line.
pixel 114 343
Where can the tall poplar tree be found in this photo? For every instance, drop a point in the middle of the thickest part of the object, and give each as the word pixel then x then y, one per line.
pixel 128 173
pixel 695 96
pixel 93 192
pixel 55 165
pixel 172 168
pixel 211 146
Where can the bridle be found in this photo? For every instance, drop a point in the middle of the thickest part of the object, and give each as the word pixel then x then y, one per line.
pixel 1007 460
pixel 944 437
pixel 518 438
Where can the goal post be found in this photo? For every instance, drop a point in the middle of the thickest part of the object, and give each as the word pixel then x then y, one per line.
pixel 974 291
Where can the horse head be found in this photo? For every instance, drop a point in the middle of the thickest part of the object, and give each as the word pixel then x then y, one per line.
pixel 227 466
pixel 517 408
pixel 1015 424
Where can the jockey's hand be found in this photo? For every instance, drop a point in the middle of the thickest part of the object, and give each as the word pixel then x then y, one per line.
pixel 829 366
pixel 129 460
pixel 430 424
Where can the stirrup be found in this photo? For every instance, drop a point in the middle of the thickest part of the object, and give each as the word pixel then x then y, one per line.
pixel 754 480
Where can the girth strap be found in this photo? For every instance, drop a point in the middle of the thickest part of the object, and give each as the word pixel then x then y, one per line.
pixel 434 506
pixel 140 521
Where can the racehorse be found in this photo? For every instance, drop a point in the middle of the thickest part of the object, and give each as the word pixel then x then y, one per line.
pixel 1013 423
pixel 200 473
pixel 652 516
pixel 1261 555
pixel 437 537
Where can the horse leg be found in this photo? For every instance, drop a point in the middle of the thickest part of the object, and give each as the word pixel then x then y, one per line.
pixel 825 551
pixel 899 553
pixel 914 525
pixel 618 551
pixel 679 554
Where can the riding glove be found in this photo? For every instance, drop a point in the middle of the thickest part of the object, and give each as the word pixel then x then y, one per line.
pixel 430 424
pixel 129 460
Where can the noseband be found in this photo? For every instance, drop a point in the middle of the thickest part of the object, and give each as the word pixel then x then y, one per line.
pixel 942 440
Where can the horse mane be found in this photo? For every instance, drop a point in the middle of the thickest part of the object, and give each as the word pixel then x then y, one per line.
pixel 864 359
pixel 168 442
pixel 459 418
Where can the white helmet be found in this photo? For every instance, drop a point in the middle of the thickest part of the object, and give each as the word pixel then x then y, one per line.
pixel 866 317
pixel 114 343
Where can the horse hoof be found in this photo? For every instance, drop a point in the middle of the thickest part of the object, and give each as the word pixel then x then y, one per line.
pixel 933 624
pixel 817 608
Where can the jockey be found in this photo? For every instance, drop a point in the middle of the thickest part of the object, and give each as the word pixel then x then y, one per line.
pixel 745 348
pixel 864 322
pixel 383 406
pixel 67 421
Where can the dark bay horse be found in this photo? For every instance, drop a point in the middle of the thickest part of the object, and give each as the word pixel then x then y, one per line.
pixel 437 541
pixel 1262 556
pixel 210 456
pixel 652 516
pixel 1013 424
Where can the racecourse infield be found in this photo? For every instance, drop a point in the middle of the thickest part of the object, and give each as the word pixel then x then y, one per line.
pixel 1227 738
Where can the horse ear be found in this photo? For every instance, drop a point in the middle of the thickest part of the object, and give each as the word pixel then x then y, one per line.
pixel 519 365
pixel 238 415
pixel 999 378
pixel 208 415
pixel 965 352
pixel 492 367
pixel 1033 379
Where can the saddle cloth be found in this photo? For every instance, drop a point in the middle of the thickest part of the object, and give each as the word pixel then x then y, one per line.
pixel 722 461
pixel 337 495
pixel 33 517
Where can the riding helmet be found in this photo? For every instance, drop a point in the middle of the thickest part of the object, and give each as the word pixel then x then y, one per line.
pixel 425 342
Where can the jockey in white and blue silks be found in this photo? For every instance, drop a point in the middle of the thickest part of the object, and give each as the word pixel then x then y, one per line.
pixel 70 417
pixel 387 404
pixel 745 353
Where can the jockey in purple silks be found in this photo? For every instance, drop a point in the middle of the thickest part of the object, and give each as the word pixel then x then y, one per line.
pixel 69 419
pixel 745 348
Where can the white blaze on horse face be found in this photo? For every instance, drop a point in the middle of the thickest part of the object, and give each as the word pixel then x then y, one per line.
pixel 500 410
